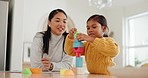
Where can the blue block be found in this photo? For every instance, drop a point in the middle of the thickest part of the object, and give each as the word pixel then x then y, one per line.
pixel 77 43
pixel 79 62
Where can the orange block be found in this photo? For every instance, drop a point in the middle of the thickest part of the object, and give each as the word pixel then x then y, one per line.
pixel 36 70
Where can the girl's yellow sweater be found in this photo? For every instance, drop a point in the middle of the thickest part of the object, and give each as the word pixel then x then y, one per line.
pixel 98 54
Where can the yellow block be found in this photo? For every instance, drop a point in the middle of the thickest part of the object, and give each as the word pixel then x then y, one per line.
pixel 62 71
pixel 69 73
pixel 66 72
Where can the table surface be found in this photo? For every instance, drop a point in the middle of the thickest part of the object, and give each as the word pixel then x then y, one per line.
pixel 116 73
pixel 49 75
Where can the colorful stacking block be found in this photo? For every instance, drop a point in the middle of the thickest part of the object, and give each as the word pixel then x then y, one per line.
pixel 79 70
pixel 36 70
pixel 77 43
pixel 79 62
pixel 75 35
pixel 69 73
pixel 32 71
pixel 66 72
pixel 62 71
pixel 78 51
pixel 26 71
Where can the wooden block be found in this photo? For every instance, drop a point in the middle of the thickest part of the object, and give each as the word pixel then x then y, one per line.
pixel 77 43
pixel 62 71
pixel 26 71
pixel 79 71
pixel 36 70
pixel 79 62
pixel 69 73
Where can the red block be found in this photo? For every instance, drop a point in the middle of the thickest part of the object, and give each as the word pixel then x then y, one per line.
pixel 78 51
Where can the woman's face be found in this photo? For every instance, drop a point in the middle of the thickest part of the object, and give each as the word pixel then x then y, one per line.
pixel 94 29
pixel 58 24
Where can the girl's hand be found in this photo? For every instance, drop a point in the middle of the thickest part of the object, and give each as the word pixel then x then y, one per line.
pixel 46 62
pixel 71 33
pixel 84 37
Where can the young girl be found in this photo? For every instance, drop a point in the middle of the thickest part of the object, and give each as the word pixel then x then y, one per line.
pixel 99 49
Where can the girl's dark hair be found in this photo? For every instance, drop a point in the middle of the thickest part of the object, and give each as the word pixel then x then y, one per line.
pixel 100 19
pixel 47 34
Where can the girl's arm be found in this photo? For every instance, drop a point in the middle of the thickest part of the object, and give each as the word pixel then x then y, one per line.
pixel 106 45
pixel 69 46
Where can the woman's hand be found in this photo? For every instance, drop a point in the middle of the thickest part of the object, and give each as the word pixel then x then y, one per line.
pixel 71 33
pixel 84 37
pixel 46 62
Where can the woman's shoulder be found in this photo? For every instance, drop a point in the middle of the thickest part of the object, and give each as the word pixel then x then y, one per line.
pixel 39 34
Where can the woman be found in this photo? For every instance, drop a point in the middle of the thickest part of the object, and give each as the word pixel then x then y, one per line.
pixel 51 42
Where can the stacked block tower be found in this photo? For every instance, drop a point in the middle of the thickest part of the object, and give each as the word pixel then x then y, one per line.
pixel 78 49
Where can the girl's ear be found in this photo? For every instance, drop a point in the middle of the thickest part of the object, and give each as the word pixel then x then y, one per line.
pixel 104 28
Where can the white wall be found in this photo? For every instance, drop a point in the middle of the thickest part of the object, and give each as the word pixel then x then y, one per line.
pixel 115 17
pixel 17 36
pixel 136 9
pixel 80 11
pixel 35 14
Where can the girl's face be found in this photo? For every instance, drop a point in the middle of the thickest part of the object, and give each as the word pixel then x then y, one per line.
pixel 94 29
pixel 58 24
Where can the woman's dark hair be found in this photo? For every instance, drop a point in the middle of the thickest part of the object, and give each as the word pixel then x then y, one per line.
pixel 100 19
pixel 47 34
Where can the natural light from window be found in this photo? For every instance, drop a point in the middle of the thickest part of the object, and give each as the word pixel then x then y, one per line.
pixel 136 50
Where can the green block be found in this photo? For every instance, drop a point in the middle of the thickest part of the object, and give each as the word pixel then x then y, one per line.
pixel 75 34
pixel 27 71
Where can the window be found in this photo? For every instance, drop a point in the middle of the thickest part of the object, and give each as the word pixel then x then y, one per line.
pixel 136 40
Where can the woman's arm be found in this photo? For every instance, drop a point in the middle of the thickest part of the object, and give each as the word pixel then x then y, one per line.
pixel 66 63
pixel 36 52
